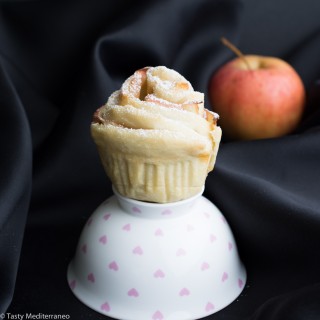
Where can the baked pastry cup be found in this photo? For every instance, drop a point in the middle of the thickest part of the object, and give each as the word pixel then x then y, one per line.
pixel 156 140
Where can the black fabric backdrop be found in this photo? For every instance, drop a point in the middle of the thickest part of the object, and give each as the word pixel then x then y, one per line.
pixel 59 61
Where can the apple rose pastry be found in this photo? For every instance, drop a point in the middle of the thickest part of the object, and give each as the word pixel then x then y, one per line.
pixel 155 139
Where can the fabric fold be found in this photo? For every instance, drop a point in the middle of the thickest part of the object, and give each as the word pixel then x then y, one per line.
pixel 16 179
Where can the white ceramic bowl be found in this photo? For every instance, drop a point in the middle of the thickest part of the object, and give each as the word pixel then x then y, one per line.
pixel 145 261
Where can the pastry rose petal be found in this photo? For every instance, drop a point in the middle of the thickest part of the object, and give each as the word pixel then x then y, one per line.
pixel 156 140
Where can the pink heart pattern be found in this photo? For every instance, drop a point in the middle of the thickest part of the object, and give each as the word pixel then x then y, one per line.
pixel 113 266
pixel 159 274
pixel 84 248
pixel 166 212
pixel 184 292
pixel 225 277
pixel 105 307
pixel 91 277
pixel 72 284
pixel 138 250
pixel 89 222
pixel 205 266
pixel 157 316
pixel 209 307
pixel 133 293
pixel 213 238
pixel 158 233
pixel 106 216
pixel 136 210
pixel 180 252
pixel 103 239
pixel 127 227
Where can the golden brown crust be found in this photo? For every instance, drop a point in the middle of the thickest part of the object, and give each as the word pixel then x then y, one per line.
pixel 155 124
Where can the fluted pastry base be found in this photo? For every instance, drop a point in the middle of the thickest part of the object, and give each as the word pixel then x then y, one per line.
pixel 168 181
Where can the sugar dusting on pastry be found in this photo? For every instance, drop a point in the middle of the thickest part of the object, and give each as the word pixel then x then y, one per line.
pixel 156 124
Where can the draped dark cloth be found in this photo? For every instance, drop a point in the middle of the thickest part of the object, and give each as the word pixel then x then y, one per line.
pixel 59 61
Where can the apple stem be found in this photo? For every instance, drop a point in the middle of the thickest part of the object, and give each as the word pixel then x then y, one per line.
pixel 235 50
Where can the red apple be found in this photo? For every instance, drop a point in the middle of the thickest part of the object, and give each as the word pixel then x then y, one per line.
pixel 257 97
